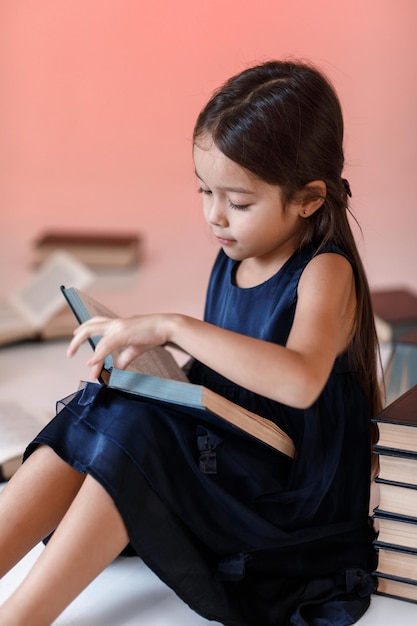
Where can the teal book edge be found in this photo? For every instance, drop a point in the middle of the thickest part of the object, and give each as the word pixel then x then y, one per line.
pixel 171 391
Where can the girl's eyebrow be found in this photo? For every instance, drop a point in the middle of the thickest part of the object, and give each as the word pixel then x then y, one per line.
pixel 233 189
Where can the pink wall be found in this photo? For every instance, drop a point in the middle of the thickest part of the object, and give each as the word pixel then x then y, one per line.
pixel 98 100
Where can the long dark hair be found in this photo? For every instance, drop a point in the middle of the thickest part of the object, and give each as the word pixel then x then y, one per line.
pixel 283 122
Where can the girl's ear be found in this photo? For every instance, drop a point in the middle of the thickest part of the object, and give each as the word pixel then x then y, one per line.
pixel 311 197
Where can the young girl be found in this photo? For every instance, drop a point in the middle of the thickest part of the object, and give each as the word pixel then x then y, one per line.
pixel 245 535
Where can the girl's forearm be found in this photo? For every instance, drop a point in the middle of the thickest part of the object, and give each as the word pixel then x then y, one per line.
pixel 265 368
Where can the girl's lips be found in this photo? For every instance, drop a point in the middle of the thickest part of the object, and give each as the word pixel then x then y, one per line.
pixel 224 242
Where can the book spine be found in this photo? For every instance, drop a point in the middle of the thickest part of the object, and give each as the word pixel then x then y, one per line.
pixel 394 452
pixel 399 550
pixel 383 515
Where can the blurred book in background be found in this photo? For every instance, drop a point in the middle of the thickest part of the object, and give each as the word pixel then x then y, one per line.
pixel 96 250
pixel 35 309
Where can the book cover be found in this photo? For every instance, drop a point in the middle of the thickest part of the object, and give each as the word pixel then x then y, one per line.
pixel 397 423
pixel 157 376
pixel 402 411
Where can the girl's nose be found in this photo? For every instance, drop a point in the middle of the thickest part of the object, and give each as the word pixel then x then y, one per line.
pixel 217 214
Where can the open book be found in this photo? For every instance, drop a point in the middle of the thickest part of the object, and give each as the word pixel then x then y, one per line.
pixel 157 375
pixel 35 309
pixel 18 426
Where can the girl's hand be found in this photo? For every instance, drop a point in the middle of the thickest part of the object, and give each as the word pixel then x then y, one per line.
pixel 125 339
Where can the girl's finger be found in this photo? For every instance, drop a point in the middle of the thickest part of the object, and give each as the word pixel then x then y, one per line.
pixel 94 327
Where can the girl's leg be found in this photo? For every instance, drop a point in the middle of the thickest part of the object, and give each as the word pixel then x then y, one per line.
pixel 33 503
pixel 89 537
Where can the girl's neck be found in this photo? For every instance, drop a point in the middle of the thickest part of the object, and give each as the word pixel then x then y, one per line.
pixel 253 271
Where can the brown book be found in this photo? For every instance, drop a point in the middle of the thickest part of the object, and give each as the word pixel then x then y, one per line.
pixel 397 467
pixel 397 308
pixel 95 250
pixel 156 375
pixel 396 530
pixel 409 338
pixel 397 423
pixel 34 310
pixel 397 499
pixel 395 305
pixel 395 561
pixel 394 588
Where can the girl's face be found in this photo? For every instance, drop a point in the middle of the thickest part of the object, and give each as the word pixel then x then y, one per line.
pixel 245 214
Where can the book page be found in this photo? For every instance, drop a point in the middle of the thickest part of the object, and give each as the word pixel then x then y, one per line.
pixel 40 298
pixel 14 325
pixel 92 306
pixel 158 362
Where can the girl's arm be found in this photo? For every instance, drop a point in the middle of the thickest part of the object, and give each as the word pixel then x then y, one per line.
pixel 294 375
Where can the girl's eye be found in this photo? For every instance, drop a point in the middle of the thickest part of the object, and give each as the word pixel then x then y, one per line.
pixel 238 207
pixel 204 191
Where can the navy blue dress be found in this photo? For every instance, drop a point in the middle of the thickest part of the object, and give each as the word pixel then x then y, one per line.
pixel 243 534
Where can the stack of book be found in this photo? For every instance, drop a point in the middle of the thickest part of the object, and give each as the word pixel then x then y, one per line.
pixel 396 514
